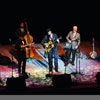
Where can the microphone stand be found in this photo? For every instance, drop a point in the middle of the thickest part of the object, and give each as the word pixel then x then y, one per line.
pixel 78 58
pixel 11 59
pixel 12 66
pixel 79 64
pixel 0 78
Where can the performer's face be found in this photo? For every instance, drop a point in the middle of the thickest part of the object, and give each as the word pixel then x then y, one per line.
pixel 28 32
pixel 75 29
pixel 22 29
pixel 49 33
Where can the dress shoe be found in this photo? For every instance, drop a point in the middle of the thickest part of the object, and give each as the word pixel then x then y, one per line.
pixel 65 64
pixel 56 70
pixel 20 74
pixel 25 75
pixel 72 63
pixel 50 72
pixel 58 73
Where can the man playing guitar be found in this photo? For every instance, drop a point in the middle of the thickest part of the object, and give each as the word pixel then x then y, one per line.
pixel 73 42
pixel 52 39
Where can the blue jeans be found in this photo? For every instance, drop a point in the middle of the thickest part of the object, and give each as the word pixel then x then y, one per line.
pixel 51 54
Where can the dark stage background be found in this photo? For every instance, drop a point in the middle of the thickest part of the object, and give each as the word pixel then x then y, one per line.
pixel 58 15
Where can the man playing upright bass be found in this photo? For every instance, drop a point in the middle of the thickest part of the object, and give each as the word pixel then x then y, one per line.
pixel 21 51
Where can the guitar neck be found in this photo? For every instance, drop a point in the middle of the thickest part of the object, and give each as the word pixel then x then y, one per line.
pixel 57 39
pixel 26 27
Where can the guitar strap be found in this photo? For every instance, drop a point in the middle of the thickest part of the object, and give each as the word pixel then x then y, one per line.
pixel 75 35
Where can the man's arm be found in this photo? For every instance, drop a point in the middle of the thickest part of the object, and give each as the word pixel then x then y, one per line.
pixel 79 40
pixel 17 44
pixel 44 41
pixel 55 38
pixel 68 37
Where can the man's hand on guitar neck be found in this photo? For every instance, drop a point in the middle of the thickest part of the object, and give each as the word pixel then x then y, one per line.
pixel 23 46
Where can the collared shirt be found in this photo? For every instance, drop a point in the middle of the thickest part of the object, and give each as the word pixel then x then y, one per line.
pixel 74 34
pixel 51 37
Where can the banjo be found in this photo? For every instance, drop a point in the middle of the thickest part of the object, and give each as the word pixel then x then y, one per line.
pixel 93 54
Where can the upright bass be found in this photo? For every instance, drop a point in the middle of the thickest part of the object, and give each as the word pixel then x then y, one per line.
pixel 29 41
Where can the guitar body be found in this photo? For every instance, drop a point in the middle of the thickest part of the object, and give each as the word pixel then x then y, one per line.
pixel 93 54
pixel 29 52
pixel 50 46
pixel 30 49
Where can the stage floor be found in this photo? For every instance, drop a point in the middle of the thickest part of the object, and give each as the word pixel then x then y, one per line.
pixel 37 67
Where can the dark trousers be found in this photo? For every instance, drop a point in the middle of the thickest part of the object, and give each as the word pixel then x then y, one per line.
pixel 51 54
pixel 22 59
pixel 68 55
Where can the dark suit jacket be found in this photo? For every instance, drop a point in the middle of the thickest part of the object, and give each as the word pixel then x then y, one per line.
pixel 18 44
pixel 46 39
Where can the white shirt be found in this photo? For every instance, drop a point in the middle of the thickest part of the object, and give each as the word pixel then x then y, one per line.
pixel 74 33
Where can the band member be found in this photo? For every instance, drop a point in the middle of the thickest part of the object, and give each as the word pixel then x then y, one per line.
pixel 53 52
pixel 21 51
pixel 21 30
pixel 73 39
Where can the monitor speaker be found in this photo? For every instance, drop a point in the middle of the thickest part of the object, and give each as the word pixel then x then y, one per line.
pixel 63 80
pixel 16 83
pixel 98 78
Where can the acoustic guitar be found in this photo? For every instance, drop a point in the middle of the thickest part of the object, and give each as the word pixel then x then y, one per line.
pixel 50 45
